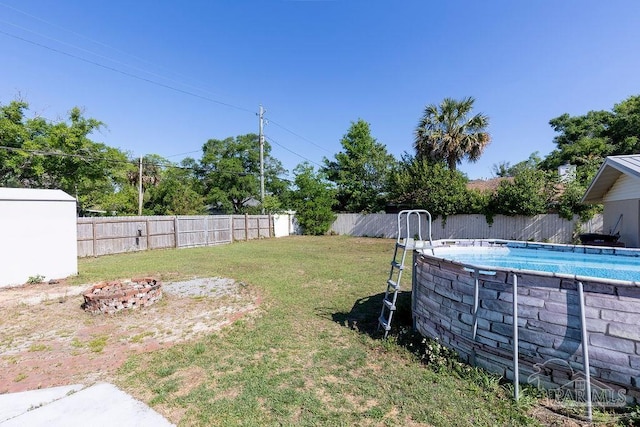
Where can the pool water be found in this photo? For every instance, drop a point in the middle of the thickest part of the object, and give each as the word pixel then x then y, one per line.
pixel 617 267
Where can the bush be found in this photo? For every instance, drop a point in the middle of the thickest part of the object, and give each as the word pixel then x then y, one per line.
pixel 423 184
pixel 313 201
pixel 530 193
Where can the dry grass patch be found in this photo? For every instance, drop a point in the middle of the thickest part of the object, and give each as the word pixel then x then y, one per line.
pixel 55 342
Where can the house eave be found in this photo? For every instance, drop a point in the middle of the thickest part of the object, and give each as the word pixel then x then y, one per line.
pixel 612 168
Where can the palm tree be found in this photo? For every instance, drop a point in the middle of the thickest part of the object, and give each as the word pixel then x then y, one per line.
pixel 446 133
pixel 152 170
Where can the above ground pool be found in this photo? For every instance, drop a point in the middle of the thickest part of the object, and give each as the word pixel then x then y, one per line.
pixel 604 263
pixel 557 317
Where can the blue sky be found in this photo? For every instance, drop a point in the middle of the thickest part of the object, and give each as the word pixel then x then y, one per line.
pixel 202 68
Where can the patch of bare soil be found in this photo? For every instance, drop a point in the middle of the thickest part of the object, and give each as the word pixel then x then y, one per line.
pixel 47 339
pixel 548 417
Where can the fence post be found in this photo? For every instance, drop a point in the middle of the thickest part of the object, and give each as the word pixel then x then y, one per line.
pixel 258 218
pixel 206 231
pixel 246 226
pixel 93 232
pixel 175 230
pixel 148 235
pixel 271 225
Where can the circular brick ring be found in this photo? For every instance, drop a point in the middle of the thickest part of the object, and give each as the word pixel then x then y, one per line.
pixel 110 297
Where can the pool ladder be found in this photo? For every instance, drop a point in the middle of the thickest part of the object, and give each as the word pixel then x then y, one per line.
pixel 409 238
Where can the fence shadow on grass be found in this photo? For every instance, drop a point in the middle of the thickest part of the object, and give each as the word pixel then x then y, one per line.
pixel 363 316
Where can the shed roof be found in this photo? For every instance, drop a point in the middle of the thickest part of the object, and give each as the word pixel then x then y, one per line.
pixel 612 168
pixel 34 194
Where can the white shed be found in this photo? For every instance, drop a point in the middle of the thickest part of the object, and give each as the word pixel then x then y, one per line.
pixel 37 235
pixel 617 186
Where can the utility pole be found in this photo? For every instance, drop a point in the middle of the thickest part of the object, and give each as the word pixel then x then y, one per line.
pixel 140 188
pixel 261 137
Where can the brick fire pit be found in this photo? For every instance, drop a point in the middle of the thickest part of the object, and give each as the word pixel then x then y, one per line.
pixel 110 297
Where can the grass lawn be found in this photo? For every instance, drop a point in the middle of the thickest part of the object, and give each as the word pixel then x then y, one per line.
pixel 310 356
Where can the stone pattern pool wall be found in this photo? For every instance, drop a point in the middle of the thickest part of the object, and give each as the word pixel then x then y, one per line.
pixel 548 324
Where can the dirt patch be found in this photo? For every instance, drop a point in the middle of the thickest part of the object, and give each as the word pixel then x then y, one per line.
pixel 47 339
pixel 548 417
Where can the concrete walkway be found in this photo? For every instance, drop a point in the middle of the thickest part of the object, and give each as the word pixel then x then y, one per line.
pixel 99 405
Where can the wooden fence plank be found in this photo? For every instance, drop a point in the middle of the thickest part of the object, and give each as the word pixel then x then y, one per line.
pixel 109 235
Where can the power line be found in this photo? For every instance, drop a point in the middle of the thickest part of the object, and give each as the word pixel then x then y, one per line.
pixel 133 162
pixel 148 80
pixel 90 158
pixel 99 55
pixel 98 42
pixel 299 136
pixel 182 154
pixel 292 152
pixel 62 154
pixel 126 73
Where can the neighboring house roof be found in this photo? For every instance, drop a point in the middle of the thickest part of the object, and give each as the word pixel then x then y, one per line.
pixel 612 168
pixel 487 184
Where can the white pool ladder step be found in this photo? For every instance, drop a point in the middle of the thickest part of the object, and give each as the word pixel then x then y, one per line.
pixel 409 238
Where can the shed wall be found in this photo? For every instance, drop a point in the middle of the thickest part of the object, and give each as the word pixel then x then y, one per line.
pixel 628 225
pixel 625 188
pixel 38 238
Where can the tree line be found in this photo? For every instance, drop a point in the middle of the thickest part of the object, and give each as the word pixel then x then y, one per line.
pixel 363 177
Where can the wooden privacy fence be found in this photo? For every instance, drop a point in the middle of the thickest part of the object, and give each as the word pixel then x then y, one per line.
pixel 540 228
pixel 112 235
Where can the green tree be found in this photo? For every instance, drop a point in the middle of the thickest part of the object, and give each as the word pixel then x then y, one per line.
pixel 230 173
pixel 313 200
pixel 505 169
pixel 582 140
pixel 586 140
pixel 168 188
pixel 152 168
pixel 175 194
pixel 124 201
pixel 625 128
pixel 568 202
pixel 273 204
pixel 42 154
pixel 14 134
pixel 449 133
pixel 424 184
pixel 360 171
pixel 530 192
